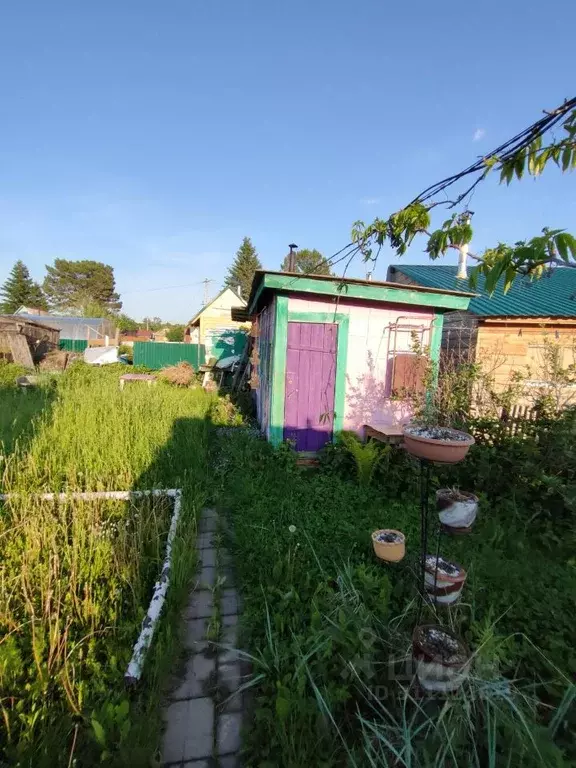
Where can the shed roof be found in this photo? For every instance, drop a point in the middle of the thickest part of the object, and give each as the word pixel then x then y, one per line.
pixel 553 295
pixel 353 288
pixel 20 320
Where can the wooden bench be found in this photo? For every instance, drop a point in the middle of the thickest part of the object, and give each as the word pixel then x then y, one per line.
pixel 147 377
pixel 391 434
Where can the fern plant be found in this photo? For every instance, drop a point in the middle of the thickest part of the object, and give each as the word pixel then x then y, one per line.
pixel 367 456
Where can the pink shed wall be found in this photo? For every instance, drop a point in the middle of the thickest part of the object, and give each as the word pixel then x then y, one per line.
pixel 371 344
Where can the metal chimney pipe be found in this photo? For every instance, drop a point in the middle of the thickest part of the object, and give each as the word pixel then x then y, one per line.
pixel 292 258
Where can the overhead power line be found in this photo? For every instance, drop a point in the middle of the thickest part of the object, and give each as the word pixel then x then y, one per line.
pixel 166 287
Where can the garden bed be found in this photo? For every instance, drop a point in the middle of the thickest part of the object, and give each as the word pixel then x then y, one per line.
pixel 78 575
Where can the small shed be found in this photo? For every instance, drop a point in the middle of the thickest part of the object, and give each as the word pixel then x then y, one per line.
pixel 24 341
pixel 330 352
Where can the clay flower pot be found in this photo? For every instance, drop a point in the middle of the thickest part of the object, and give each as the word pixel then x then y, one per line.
pixel 441 444
pixel 457 510
pixel 442 660
pixel 443 580
pixel 389 545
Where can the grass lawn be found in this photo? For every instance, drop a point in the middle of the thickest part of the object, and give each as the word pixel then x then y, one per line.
pixel 76 577
pixel 328 627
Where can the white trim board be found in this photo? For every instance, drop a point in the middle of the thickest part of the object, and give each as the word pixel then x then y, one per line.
pixel 142 644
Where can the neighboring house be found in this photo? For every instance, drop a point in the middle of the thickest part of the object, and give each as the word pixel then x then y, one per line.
pixel 330 353
pixel 140 334
pixel 76 333
pixel 23 310
pixel 161 334
pixel 507 332
pixel 219 327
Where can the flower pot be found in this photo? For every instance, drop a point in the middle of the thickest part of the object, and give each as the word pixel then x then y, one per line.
pixel 389 545
pixel 457 510
pixel 442 659
pixel 443 580
pixel 441 444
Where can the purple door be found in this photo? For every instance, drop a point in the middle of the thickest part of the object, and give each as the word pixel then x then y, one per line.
pixel 310 375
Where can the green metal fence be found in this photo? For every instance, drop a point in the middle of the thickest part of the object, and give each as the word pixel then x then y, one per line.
pixel 73 345
pixel 158 354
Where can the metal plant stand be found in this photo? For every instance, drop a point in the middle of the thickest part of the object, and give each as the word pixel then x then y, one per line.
pixel 425 469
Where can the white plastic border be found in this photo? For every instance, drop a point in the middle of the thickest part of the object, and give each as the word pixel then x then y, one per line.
pixel 134 671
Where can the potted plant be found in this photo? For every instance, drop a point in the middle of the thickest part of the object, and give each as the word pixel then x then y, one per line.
pixel 442 660
pixel 457 509
pixel 389 545
pixel 441 444
pixel 443 580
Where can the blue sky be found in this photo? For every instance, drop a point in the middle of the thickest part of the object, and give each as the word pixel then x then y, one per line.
pixel 154 136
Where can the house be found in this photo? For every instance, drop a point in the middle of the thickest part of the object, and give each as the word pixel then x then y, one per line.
pixel 25 341
pixel 161 334
pixel 330 353
pixel 140 334
pixel 76 333
pixel 506 332
pixel 23 310
pixel 219 327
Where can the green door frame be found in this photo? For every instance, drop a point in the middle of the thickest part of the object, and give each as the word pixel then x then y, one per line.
pixel 278 390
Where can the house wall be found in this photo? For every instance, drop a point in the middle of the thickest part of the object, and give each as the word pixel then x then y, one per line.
pixel 506 346
pixel 216 319
pixel 377 333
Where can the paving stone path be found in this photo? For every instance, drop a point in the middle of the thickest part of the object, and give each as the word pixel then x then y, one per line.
pixel 203 717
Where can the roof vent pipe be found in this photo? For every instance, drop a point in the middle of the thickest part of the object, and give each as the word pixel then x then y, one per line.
pixel 292 258
pixel 462 273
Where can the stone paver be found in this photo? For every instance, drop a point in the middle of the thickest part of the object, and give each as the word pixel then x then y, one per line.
pixel 230 761
pixel 208 558
pixel 229 603
pixel 205 540
pixel 207 576
pixel 204 717
pixel 229 728
pixel 208 525
pixel 195 634
pixel 189 730
pixel 199 668
pixel 199 605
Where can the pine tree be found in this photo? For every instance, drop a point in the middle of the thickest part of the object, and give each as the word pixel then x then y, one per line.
pixel 80 285
pixel 241 273
pixel 20 289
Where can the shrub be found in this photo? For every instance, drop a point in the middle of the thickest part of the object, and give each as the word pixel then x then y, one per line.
pixel 9 372
pixel 180 375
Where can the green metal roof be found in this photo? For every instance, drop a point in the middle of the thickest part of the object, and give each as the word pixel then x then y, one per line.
pixel 553 295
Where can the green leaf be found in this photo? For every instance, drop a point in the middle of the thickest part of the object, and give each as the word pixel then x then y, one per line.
pixel 509 279
pixel 562 246
pixel 507 172
pixel 122 710
pixel 566 157
pixel 282 708
pixel 519 164
pixel 99 732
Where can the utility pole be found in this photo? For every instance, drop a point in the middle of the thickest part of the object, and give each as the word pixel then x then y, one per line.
pixel 206 282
